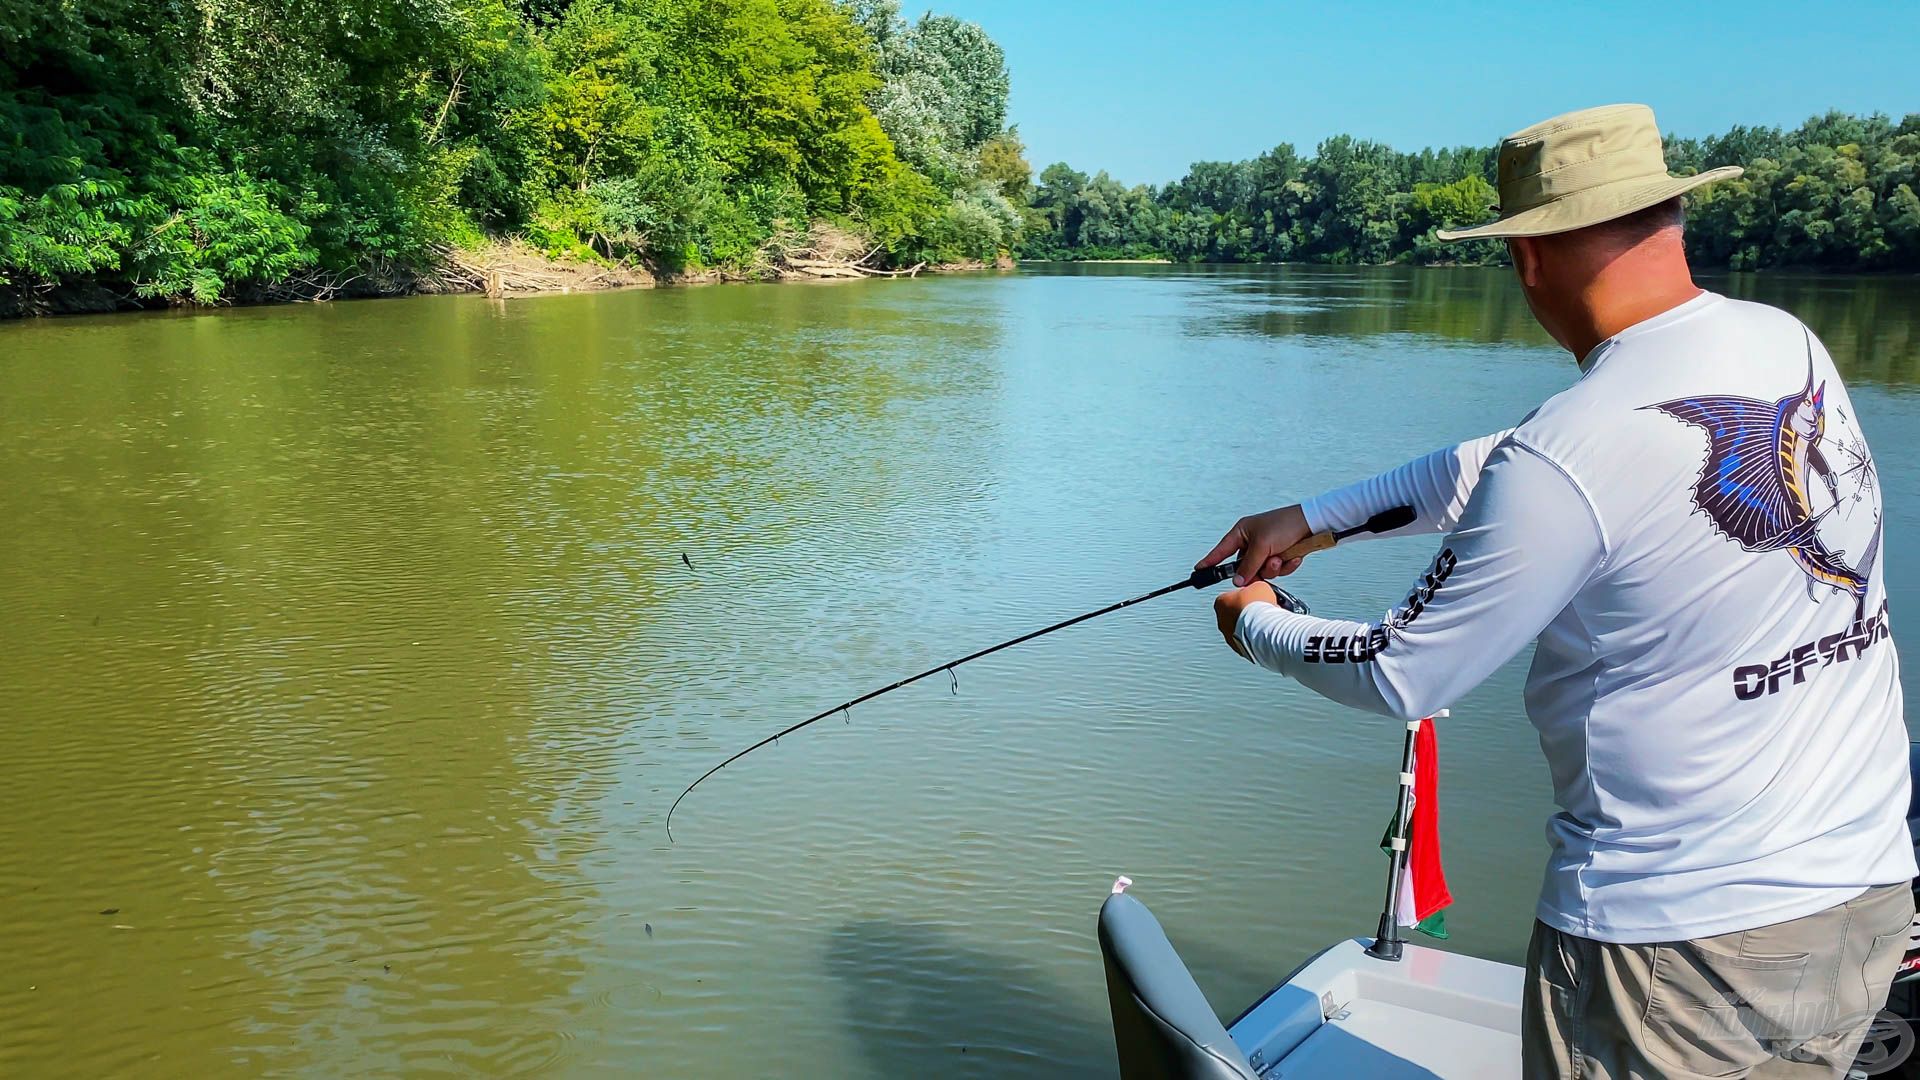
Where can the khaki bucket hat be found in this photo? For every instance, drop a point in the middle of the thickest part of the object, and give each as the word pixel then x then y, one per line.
pixel 1581 169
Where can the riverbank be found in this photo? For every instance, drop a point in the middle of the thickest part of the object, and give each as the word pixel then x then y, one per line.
pixel 506 268
pixel 1107 262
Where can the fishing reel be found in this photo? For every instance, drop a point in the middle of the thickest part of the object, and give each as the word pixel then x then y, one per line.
pixel 1214 575
pixel 1386 521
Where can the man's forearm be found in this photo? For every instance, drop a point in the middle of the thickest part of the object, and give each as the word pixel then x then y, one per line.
pixel 1436 485
pixel 1513 562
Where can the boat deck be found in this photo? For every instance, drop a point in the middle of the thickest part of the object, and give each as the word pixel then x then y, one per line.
pixel 1346 1014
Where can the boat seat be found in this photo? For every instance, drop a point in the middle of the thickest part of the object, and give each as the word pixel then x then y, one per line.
pixel 1163 1027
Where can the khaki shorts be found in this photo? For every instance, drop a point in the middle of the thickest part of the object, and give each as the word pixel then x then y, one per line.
pixel 1788 1000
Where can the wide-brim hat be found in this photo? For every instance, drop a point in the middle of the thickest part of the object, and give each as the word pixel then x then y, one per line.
pixel 1581 169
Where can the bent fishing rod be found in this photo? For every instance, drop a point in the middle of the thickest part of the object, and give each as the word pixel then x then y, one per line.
pixel 1385 521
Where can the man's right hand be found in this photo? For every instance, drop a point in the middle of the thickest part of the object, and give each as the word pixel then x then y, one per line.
pixel 1259 539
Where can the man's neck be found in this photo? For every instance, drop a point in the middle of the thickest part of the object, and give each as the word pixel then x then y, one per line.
pixel 1626 293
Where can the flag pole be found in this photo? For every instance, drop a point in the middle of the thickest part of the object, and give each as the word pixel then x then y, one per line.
pixel 1386 942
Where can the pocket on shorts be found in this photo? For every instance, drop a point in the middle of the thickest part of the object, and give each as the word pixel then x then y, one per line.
pixel 1882 964
pixel 1882 961
pixel 1719 1014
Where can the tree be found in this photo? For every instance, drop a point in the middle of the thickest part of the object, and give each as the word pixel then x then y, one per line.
pixel 595 120
pixel 943 92
pixel 1839 191
pixel 972 71
pixel 1467 201
pixel 1003 164
pixel 1058 201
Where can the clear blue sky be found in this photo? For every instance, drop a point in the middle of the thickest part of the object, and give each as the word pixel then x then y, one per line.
pixel 1142 90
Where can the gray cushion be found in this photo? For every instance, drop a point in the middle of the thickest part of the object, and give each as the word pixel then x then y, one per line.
pixel 1162 1025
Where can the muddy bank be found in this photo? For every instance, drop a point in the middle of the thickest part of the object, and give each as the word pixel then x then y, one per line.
pixel 504 269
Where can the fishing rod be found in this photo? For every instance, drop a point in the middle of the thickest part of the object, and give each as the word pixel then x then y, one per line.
pixel 1385 521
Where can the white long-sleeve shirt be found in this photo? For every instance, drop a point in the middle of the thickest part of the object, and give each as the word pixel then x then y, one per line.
pixel 1691 533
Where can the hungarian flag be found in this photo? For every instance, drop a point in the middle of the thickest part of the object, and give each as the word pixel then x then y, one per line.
pixel 1423 885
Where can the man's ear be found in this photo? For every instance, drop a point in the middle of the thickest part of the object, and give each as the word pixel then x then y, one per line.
pixel 1525 251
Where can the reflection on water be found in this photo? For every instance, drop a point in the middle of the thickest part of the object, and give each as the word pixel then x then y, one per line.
pixel 350 661
pixel 1866 321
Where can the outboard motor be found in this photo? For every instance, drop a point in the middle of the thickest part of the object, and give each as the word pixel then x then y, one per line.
pixel 1162 1025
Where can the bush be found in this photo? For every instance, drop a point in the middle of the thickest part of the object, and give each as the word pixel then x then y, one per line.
pixel 976 225
pixel 228 233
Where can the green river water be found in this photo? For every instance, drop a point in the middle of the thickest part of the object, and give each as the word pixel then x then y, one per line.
pixel 348 663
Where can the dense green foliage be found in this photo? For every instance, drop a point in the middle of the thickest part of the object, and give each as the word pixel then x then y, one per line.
pixel 1837 192
pixel 197 149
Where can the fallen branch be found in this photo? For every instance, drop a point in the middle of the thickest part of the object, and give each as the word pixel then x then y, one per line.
pixel 447 105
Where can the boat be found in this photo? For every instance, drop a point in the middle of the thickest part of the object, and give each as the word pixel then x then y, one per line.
pixel 1375 1007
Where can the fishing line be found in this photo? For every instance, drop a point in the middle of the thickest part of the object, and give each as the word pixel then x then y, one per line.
pixel 1385 521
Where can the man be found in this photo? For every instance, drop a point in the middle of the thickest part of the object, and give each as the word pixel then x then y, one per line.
pixel 1691 534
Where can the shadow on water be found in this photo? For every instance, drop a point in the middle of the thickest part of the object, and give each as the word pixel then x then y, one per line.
pixel 921 1001
pixel 1233 980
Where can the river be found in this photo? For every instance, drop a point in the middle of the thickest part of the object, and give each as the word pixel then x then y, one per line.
pixel 350 660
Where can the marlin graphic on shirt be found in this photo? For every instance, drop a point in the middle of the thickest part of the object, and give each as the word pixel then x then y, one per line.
pixel 1763 458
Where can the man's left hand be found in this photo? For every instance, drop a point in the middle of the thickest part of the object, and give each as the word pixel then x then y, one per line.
pixel 1228 606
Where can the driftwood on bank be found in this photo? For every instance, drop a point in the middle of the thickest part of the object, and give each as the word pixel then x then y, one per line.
pixel 501 268
pixel 827 269
pixel 822 251
pixel 507 269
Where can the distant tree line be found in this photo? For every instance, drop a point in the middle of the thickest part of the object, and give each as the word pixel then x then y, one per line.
pixel 201 149
pixel 1836 192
